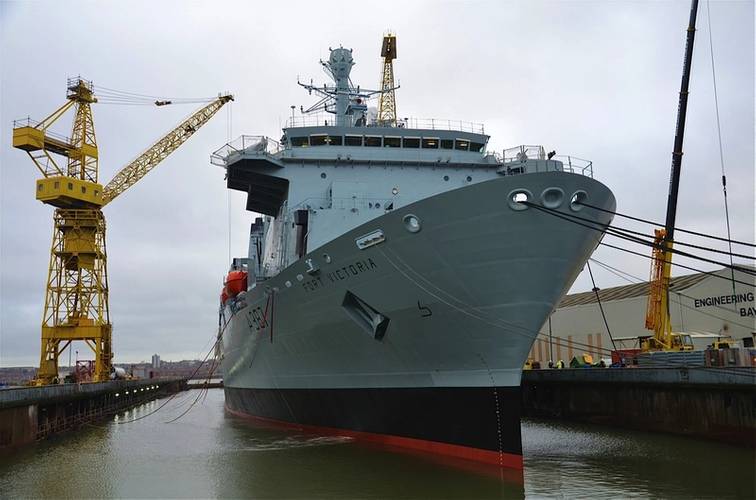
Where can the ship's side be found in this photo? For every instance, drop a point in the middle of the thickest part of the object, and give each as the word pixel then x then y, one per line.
pixel 398 279
pixel 419 339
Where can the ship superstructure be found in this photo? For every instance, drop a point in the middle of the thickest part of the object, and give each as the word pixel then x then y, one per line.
pixel 398 274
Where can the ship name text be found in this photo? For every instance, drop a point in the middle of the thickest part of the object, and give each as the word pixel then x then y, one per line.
pixel 340 274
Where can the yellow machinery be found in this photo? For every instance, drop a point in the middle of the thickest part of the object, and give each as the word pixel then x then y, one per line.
pixel 657 312
pixel 387 105
pixel 76 299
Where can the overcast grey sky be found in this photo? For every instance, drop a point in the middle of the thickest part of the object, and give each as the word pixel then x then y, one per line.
pixel 598 80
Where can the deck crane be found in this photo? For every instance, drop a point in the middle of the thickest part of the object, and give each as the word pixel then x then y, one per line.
pixel 387 103
pixel 657 312
pixel 76 298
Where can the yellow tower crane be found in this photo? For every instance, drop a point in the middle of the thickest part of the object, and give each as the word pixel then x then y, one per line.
pixel 387 105
pixel 76 299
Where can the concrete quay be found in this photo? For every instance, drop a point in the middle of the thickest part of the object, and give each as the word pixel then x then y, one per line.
pixel 711 403
pixel 29 414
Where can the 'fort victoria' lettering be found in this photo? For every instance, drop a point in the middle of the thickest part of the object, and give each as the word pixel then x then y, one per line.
pixel 342 273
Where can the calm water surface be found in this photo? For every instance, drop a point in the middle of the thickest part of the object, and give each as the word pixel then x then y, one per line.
pixel 208 454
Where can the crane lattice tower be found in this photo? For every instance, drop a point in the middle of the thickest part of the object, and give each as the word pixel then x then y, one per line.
pixel 76 298
pixel 387 106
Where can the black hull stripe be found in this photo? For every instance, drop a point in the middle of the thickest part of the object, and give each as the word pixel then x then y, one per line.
pixel 478 418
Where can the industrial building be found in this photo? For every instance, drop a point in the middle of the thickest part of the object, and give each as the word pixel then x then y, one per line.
pixel 704 305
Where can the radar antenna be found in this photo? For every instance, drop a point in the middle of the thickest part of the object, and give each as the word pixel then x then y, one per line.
pixel 343 99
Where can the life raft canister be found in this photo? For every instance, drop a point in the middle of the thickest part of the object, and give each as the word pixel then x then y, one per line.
pixel 236 282
pixel 223 295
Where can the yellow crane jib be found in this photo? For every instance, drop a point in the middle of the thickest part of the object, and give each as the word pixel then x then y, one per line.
pixel 134 171
pixel 76 298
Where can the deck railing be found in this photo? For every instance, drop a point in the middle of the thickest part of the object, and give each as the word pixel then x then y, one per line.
pixel 329 120
pixel 245 144
pixel 513 161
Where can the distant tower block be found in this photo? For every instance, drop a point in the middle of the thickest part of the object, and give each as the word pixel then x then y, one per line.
pixel 387 106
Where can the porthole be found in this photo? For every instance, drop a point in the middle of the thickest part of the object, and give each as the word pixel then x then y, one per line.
pixel 300 277
pixel 412 223
pixel 469 179
pixel 552 197
pixel 446 177
pixel 327 258
pixel 518 198
pixel 288 284
pixel 395 191
pixel 322 175
pixel 577 200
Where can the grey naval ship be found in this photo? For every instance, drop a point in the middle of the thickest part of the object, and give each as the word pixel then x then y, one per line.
pixel 399 274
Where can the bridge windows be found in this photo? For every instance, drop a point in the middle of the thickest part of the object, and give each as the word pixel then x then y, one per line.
pixel 319 140
pixel 388 142
pixel 411 142
pixel 353 140
pixel 392 142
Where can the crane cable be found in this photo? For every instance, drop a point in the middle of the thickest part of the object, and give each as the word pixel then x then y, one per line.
pixel 719 135
pixel 107 95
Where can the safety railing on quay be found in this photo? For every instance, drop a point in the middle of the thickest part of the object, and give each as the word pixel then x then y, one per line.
pixel 245 144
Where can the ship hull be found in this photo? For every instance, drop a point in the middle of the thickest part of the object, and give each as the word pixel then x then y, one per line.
pixel 419 339
pixel 476 423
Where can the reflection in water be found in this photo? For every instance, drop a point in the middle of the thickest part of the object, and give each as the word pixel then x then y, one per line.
pixel 209 454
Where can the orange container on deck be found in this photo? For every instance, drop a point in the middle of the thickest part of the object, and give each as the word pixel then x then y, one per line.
pixel 236 282
pixel 224 295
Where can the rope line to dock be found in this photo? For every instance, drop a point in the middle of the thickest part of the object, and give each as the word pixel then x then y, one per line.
pixel 530 334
